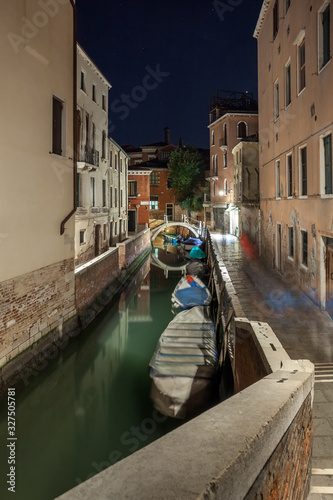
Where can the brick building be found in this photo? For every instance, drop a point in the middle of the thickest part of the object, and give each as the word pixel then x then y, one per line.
pixel 138 197
pixel 232 117
pixel 38 174
pixel 295 154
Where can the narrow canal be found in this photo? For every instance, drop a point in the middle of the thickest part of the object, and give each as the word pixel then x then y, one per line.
pixel 90 406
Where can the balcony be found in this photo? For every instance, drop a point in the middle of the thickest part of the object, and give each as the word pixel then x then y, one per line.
pixel 223 143
pixel 88 158
pixel 211 175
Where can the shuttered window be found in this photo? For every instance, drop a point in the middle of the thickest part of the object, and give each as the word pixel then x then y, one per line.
pixel 57 126
pixel 328 164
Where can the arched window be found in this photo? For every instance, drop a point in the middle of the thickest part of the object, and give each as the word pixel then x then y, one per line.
pixel 225 187
pixel 225 137
pixel 103 144
pixel 241 130
pixel 87 130
pixel 213 188
pixel 213 137
pixel 225 160
pixel 216 165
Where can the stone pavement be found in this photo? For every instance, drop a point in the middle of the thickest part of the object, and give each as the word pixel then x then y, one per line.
pixel 305 332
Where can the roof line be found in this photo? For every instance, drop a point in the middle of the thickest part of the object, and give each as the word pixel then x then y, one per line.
pixel 261 18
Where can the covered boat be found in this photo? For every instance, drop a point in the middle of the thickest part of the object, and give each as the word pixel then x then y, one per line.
pixel 190 292
pixel 190 243
pixel 184 363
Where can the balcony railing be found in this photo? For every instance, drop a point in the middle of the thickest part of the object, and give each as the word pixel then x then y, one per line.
pixel 89 155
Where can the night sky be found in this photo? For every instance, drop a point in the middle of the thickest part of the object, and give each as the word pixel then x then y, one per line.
pixel 165 58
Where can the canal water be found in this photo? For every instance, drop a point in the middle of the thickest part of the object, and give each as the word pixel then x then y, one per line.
pixel 90 406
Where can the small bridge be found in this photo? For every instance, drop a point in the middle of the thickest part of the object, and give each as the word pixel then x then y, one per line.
pixel 196 227
pixel 158 263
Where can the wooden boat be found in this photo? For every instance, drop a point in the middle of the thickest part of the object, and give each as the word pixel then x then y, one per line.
pixel 184 363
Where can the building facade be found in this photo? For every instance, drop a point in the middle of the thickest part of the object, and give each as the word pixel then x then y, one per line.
pixel 246 189
pixel 295 153
pixel 101 216
pixel 138 197
pixel 232 118
pixel 37 172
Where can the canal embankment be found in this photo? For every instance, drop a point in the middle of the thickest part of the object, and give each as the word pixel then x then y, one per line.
pixel 256 443
pixel 96 284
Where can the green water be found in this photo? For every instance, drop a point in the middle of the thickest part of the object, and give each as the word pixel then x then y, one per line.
pixel 90 406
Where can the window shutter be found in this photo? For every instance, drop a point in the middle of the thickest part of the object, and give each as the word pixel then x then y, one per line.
pixel 57 127
pixel 328 164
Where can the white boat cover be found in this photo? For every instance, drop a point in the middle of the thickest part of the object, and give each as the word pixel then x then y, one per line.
pixel 184 364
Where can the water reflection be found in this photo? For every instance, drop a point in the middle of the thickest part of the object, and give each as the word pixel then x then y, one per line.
pixel 91 405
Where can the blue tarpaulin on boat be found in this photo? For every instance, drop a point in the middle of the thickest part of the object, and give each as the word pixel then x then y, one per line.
pixel 192 241
pixel 197 253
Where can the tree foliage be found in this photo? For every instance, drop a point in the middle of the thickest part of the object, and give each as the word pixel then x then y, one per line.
pixel 187 175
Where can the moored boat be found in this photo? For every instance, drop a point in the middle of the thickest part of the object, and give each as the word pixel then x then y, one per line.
pixel 183 366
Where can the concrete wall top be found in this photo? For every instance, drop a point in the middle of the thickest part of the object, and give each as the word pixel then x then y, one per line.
pixel 207 457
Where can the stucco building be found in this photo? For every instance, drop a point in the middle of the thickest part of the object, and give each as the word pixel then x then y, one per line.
pixel 38 103
pixel 295 152
pixel 232 117
pixel 138 197
pixel 246 188
pixel 101 216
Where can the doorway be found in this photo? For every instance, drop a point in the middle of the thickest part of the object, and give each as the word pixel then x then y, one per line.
pixel 329 279
pixel 278 247
pixel 169 211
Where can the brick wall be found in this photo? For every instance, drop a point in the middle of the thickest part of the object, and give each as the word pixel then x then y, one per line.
pixel 92 278
pixel 287 472
pixel 130 249
pixel 34 304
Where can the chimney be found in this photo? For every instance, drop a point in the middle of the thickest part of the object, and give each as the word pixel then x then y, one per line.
pixel 167 135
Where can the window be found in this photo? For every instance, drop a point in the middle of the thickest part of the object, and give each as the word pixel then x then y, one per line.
pixel 154 180
pixel 115 161
pixel 110 157
pixel 153 203
pixel 304 248
pixel 275 18
pixel 301 66
pixel 92 191
pixel 324 27
pixel 103 144
pixel 327 140
pixel 78 187
pixel 94 92
pixel 115 197
pixel 287 83
pixel 121 164
pixel 225 134
pixel 58 126
pixel 111 200
pixel 115 228
pixel 225 187
pixel 241 130
pixel 225 160
pixel 169 183
pixel 276 100
pixel 103 102
pixel 291 242
pixel 303 174
pixel 132 188
pixel 277 177
pixel 213 138
pixel 287 5
pixel 83 83
pixel 104 232
pixel 121 197
pixel 104 192
pixel 82 236
pixel 165 155
pixel 289 175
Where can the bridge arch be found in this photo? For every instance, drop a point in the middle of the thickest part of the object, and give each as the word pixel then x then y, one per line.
pixel 165 225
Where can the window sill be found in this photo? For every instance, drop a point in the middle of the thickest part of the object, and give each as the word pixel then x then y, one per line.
pixel 291 259
pixel 301 92
pixel 303 197
pixel 326 196
pixel 304 267
pixel 323 67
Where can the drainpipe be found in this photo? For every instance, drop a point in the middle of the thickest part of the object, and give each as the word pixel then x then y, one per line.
pixel 62 225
